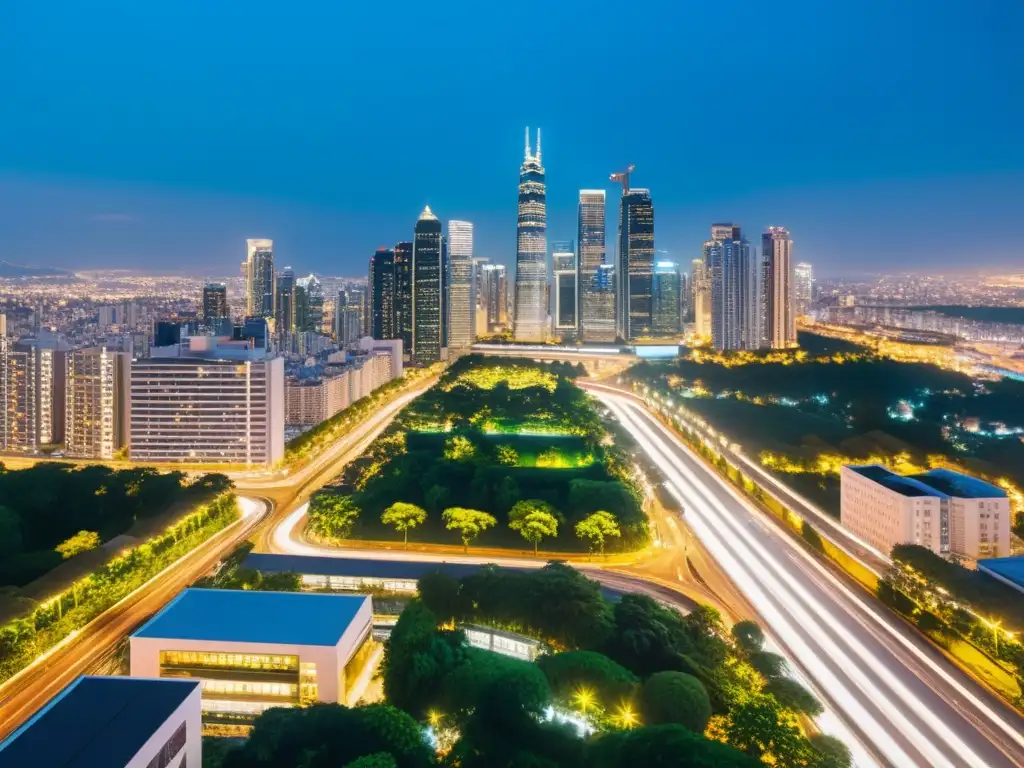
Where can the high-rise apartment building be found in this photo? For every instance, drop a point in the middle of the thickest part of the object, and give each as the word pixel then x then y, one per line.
pixel 381 284
pixel 212 402
pixel 313 294
pixel 700 302
pixel 666 297
pixel 348 317
pixel 97 403
pixel 461 301
pixel 779 288
pixel 17 397
pixel 596 310
pixel 403 295
pixel 429 336
pixel 495 290
pixel 284 302
pixel 803 288
pixel 636 261
pixel 216 315
pixel 566 296
pixel 736 292
pixel 530 316
pixel 259 278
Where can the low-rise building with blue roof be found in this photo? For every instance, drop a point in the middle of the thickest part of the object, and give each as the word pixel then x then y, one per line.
pixel 255 650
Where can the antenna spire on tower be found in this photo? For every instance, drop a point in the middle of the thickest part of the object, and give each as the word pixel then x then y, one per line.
pixel 527 150
pixel 538 146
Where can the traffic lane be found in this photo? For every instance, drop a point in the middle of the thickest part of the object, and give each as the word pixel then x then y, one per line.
pixel 848 628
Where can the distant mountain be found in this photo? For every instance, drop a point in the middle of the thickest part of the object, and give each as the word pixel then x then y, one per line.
pixel 30 270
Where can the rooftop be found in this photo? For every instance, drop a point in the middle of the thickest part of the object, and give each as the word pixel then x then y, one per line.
pixel 356 567
pixel 95 722
pixel 241 616
pixel 1009 568
pixel 940 483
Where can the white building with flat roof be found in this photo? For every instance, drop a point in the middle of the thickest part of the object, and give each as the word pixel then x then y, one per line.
pixel 214 402
pixel 945 511
pixel 255 650
pixel 112 721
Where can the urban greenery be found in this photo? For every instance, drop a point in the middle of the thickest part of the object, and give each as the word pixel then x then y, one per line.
pixel 52 511
pixel 490 437
pixel 22 640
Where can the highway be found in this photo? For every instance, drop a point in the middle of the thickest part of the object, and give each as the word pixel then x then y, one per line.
pixel 907 704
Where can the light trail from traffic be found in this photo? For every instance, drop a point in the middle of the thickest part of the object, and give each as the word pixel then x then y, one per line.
pixel 857 660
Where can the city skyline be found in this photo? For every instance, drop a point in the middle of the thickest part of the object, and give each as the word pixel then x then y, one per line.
pixel 167 178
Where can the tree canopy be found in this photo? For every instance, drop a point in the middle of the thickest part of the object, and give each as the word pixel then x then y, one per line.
pixel 470 523
pixel 675 697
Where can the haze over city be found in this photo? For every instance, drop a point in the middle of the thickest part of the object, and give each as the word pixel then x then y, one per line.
pixel 160 135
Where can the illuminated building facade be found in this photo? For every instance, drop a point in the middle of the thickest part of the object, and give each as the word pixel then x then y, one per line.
pixel 461 301
pixel 736 291
pixel 700 291
pixel 666 297
pixel 495 291
pixel 803 288
pixel 18 394
pixel 566 295
pixel 596 313
pixel 216 315
pixel 530 316
pixel 255 650
pixel 636 262
pixel 381 284
pixel 428 291
pixel 259 278
pixel 96 423
pixel 284 302
pixel 779 326
pixel 403 294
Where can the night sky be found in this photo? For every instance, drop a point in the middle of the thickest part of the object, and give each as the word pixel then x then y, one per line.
pixel 160 133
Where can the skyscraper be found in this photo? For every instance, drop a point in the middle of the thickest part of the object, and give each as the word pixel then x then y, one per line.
pixel 348 317
pixel 596 312
pixel 403 295
pixel 531 268
pixel 284 302
pixel 215 304
pixel 700 298
pixel 636 260
pixel 97 394
pixel 259 278
pixel 428 290
pixel 313 293
pixel 803 287
pixel 495 302
pixel 780 309
pixel 461 302
pixel 566 296
pixel 381 284
pixel 666 296
pixel 736 292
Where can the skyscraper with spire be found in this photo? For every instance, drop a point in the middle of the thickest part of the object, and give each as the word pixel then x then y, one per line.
pixel 429 338
pixel 530 315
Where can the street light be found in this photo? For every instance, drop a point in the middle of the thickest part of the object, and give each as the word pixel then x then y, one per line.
pixel 994 626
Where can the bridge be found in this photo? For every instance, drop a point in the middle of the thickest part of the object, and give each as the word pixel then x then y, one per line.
pixel 598 360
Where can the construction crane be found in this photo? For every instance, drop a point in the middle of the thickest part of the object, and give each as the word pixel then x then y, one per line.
pixel 623 178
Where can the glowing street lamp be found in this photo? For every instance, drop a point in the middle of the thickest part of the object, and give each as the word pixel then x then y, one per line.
pixel 627 717
pixel 584 699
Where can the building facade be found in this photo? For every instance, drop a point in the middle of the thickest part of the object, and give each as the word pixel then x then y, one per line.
pixel 259 278
pixel 636 262
pixel 18 395
pixel 942 510
pixel 803 288
pixel 779 288
pixel 403 295
pixel 700 298
pixel 429 337
pixel 566 295
pixel 666 295
pixel 736 278
pixel 461 299
pixel 495 291
pixel 216 315
pixel 530 316
pixel 284 302
pixel 96 421
pixel 596 312
pixel 208 404
pixel 381 284
pixel 311 401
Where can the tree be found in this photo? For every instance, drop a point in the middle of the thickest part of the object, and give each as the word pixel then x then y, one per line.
pixel 82 541
pixel 507 455
pixel 812 537
pixel 662 746
pixel 760 727
pixel 459 448
pixel 790 694
pixel 534 519
pixel 830 752
pixel 440 593
pixel 675 697
pixel 748 635
pixel 436 497
pixel 376 760
pixel 507 493
pixel 569 672
pixel 10 532
pixel 404 517
pixel 470 523
pixel 767 663
pixel 332 515
pixel 596 528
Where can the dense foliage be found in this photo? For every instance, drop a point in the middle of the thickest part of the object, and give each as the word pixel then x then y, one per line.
pixel 22 640
pixel 48 511
pixel 489 436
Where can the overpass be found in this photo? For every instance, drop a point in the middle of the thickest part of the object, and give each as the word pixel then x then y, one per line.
pixel 598 360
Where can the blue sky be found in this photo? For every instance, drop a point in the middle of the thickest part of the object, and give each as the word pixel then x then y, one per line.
pixel 162 133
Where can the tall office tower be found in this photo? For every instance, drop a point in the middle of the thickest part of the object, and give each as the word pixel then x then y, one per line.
pixel 284 302
pixel 215 306
pixel 495 289
pixel 348 318
pixel 381 284
pixel 604 290
pixel 779 289
pixel 700 290
pixel 563 267
pixel 666 292
pixel 428 290
pixel 636 259
pixel 460 301
pixel 480 296
pixel 530 316
pixel 596 317
pixel 736 293
pixel 803 288
pixel 314 309
pixel 212 402
pixel 97 400
pixel 403 295
pixel 18 428
pixel 259 278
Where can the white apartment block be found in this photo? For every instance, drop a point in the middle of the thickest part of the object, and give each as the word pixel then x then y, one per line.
pixel 945 511
pixel 311 402
pixel 96 403
pixel 215 403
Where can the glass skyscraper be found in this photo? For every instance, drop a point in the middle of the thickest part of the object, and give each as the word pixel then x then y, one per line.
pixel 403 296
pixel 461 302
pixel 530 316
pixel 284 302
pixel 666 296
pixel 259 278
pixel 803 287
pixel 736 292
pixel 428 290
pixel 636 262
pixel 566 297
pixel 596 310
pixel 381 283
